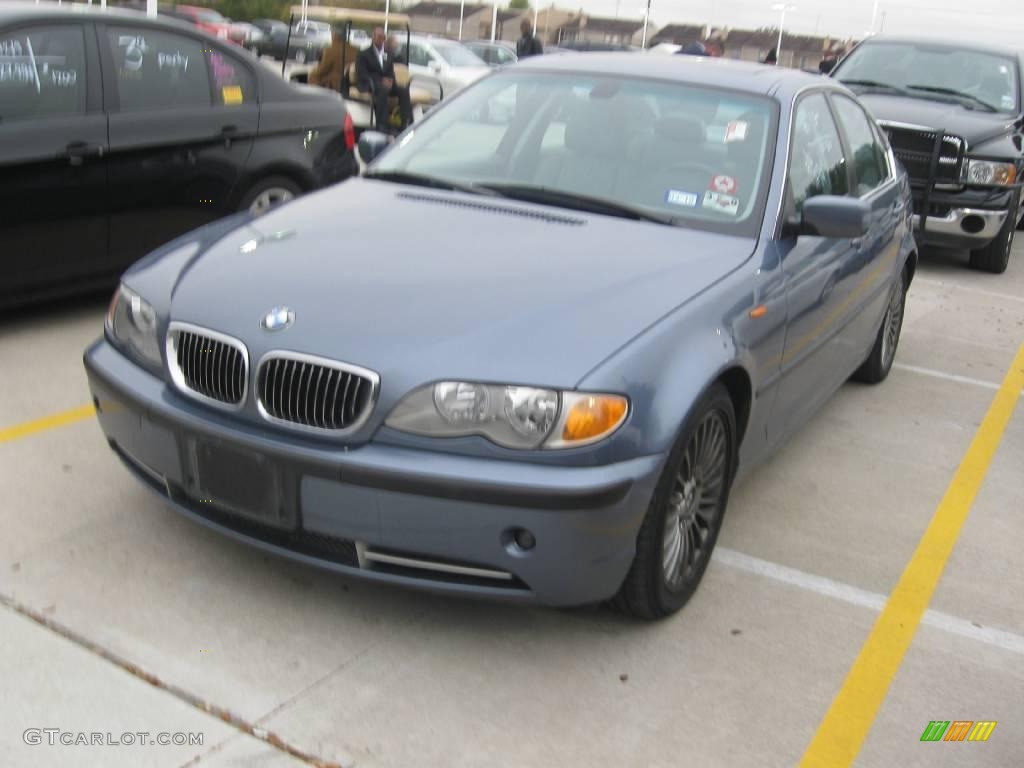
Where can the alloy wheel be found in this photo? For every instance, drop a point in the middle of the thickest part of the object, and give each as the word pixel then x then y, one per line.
pixel 893 323
pixel 695 502
pixel 268 198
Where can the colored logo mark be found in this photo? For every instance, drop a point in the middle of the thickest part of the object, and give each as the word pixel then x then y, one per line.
pixel 958 730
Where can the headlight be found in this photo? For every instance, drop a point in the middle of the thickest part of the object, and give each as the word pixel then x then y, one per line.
pixel 987 172
pixel 131 322
pixel 511 416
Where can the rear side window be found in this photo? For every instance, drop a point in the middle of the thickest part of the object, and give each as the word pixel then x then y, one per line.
pixel 42 72
pixel 869 164
pixel 232 82
pixel 158 70
pixel 817 163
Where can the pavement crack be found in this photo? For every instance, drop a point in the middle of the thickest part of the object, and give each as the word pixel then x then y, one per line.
pixel 197 702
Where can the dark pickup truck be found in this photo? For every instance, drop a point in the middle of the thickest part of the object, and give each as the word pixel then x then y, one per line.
pixel 954 116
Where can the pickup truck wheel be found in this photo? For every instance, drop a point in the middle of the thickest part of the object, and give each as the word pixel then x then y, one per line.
pixel 682 523
pixel 996 255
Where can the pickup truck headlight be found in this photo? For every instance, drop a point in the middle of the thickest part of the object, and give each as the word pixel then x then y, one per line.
pixel 131 323
pixel 510 416
pixel 989 173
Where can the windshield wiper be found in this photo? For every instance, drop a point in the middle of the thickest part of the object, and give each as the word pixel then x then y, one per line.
pixel 572 200
pixel 952 92
pixel 423 180
pixel 873 84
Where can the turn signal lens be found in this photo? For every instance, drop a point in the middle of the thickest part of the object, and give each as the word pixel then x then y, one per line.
pixel 592 417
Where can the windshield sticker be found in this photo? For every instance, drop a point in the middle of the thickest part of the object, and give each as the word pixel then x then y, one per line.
pixel 736 131
pixel 231 94
pixel 726 204
pixel 724 184
pixel 678 197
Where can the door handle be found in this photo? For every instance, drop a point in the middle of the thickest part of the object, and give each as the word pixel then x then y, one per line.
pixel 229 132
pixel 77 151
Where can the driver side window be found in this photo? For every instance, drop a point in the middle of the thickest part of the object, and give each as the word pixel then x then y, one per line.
pixel 817 163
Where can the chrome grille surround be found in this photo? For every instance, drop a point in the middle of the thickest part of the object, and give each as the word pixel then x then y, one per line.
pixel 314 394
pixel 208 366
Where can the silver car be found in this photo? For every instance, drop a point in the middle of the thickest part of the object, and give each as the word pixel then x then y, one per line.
pixel 526 356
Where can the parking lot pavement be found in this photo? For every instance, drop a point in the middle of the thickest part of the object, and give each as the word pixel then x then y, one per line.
pixel 814 542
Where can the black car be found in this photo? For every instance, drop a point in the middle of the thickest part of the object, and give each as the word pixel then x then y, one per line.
pixel 119 132
pixel 955 119
pixel 306 43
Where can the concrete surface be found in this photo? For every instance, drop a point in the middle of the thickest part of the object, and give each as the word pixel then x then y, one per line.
pixel 376 676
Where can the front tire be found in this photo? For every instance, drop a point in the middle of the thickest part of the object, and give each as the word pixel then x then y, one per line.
pixel 995 256
pixel 883 353
pixel 682 523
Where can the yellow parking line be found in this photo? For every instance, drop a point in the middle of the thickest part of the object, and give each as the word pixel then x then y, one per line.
pixel 47 422
pixel 846 724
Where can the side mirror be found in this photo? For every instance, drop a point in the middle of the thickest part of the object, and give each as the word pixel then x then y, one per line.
pixel 435 66
pixel 839 217
pixel 371 144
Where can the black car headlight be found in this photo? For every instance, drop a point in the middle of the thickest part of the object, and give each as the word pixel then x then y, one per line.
pixel 132 325
pixel 510 416
pixel 989 173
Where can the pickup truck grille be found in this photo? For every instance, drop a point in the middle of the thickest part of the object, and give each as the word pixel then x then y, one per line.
pixel 914 148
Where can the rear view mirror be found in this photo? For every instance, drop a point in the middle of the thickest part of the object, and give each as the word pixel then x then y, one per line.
pixel 371 144
pixel 839 217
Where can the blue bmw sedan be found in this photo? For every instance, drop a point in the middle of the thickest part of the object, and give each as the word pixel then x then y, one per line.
pixel 529 353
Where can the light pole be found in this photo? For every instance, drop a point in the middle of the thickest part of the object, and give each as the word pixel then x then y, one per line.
pixel 647 19
pixel 782 22
pixel 462 13
pixel 494 20
pixel 874 16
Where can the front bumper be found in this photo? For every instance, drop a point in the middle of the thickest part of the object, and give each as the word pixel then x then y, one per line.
pixel 962 227
pixel 429 520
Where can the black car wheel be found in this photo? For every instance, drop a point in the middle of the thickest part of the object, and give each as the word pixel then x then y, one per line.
pixel 268 193
pixel 879 362
pixel 681 527
pixel 995 256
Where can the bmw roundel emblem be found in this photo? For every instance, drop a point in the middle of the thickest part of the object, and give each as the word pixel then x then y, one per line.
pixel 277 319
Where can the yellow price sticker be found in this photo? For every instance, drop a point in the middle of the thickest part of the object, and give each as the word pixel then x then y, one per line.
pixel 232 94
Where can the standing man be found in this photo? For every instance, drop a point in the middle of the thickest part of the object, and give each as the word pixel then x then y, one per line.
pixel 375 72
pixel 528 44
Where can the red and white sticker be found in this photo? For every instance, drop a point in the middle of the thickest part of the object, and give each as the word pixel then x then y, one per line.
pixel 736 131
pixel 724 184
pixel 721 203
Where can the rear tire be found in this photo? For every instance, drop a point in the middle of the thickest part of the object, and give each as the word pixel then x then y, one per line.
pixel 995 256
pixel 883 353
pixel 679 532
pixel 268 193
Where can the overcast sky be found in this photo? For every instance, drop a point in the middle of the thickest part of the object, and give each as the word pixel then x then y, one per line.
pixel 1000 21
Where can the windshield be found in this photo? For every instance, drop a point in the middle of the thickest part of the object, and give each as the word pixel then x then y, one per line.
pixel 458 55
pixel 986 79
pixel 692 155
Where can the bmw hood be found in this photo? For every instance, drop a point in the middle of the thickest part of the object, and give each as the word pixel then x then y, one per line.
pixel 420 285
pixel 975 126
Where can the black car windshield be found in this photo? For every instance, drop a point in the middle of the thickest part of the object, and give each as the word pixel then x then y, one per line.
pixel 979 80
pixel 684 154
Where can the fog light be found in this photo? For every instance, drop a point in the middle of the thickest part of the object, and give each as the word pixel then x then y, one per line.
pixel 524 539
pixel 972 224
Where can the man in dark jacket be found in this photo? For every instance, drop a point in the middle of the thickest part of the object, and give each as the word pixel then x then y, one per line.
pixel 528 44
pixel 375 72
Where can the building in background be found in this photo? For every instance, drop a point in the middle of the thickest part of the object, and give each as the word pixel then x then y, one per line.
pixel 597 29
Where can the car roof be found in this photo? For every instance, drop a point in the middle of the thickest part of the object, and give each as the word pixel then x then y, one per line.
pixel 952 45
pixel 703 70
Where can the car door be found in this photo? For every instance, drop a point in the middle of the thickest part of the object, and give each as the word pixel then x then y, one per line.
pixel 53 175
pixel 873 270
pixel 815 269
pixel 183 117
